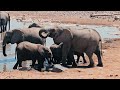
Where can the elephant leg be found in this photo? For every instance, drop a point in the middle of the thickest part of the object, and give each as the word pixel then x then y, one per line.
pixel 40 63
pixel 84 61
pixel 78 57
pixel 15 66
pixel 53 60
pixel 5 28
pixel 69 61
pixel 90 59
pixel 58 61
pixel 1 31
pixel 65 51
pixel 33 63
pixel 71 57
pixel 97 52
pixel 20 64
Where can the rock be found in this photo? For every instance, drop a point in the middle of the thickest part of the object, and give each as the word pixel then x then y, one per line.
pixel 111 75
pixel 58 68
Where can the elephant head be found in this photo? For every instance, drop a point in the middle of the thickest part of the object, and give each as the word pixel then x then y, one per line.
pixel 14 36
pixel 50 32
pixel 60 34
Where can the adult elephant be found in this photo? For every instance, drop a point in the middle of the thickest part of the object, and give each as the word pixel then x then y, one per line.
pixel 84 40
pixel 20 35
pixel 4 19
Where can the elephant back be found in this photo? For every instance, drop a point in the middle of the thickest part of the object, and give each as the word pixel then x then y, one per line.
pixel 32 35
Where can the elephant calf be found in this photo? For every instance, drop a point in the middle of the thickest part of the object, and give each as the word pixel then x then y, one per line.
pixel 57 53
pixel 30 51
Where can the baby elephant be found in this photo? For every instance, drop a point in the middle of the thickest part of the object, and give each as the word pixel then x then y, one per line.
pixel 57 53
pixel 29 51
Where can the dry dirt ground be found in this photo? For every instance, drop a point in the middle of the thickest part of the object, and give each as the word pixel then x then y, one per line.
pixel 111 49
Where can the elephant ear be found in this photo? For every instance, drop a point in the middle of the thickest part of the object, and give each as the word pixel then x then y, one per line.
pixel 65 36
pixel 17 36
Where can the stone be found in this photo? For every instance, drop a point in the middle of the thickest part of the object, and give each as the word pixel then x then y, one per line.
pixel 58 68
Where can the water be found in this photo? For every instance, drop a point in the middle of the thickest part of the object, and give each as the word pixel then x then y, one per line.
pixel 7 63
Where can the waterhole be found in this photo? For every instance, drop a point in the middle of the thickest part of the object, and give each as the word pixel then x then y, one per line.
pixel 7 63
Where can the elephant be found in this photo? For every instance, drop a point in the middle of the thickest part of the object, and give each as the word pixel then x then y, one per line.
pixel 57 53
pixel 30 51
pixel 4 20
pixel 20 35
pixel 34 25
pixel 83 40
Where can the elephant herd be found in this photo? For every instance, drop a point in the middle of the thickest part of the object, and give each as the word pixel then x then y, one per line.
pixel 68 42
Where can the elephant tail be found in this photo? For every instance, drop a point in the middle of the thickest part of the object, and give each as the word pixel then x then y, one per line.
pixel 15 53
pixel 101 48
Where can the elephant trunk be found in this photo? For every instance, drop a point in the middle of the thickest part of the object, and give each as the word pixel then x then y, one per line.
pixel 43 33
pixel 4 48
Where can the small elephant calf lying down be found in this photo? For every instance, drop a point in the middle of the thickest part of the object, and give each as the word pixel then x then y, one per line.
pixel 29 51
pixel 57 53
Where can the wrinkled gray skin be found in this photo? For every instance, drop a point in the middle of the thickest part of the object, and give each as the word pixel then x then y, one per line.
pixel 83 41
pixel 30 51
pixel 57 54
pixel 4 20
pixel 34 25
pixel 20 35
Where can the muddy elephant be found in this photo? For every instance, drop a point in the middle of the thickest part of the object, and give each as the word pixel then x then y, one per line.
pixel 20 35
pixel 57 54
pixel 30 51
pixel 4 20
pixel 34 25
pixel 83 40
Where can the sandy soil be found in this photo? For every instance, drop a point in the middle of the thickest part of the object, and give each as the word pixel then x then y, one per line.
pixel 111 49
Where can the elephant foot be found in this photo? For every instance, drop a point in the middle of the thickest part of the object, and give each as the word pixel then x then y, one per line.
pixel 40 69
pixel 14 67
pixel 100 65
pixel 69 63
pixel 90 65
pixel 31 66
pixel 64 65
pixel 5 55
pixel 74 64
